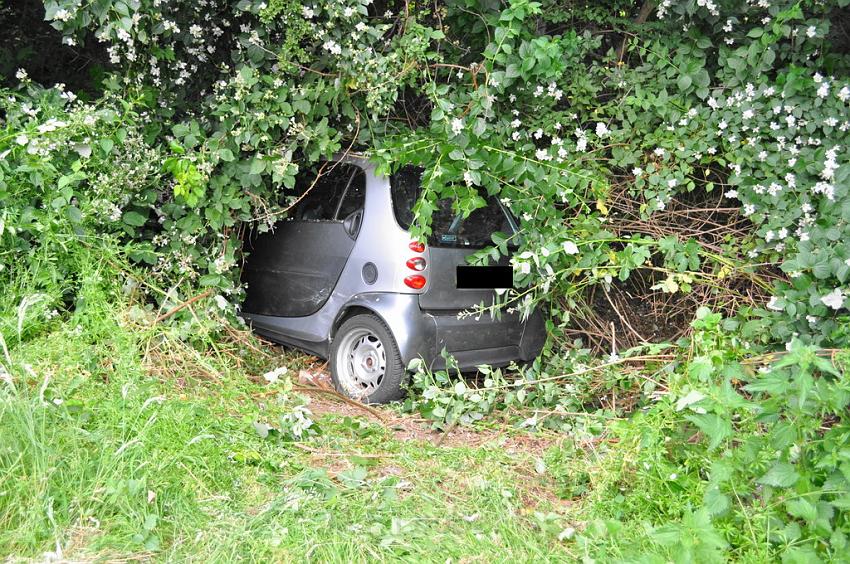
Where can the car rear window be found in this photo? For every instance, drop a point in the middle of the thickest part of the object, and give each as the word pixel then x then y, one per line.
pixel 448 227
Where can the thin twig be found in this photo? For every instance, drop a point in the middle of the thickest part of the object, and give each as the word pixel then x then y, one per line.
pixel 342 398
pixel 325 453
pixel 185 304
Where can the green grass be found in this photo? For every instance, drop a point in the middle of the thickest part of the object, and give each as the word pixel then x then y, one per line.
pixel 107 452
pixel 122 438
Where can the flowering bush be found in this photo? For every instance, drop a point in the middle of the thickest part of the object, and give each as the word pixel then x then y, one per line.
pixel 588 136
pixel 680 153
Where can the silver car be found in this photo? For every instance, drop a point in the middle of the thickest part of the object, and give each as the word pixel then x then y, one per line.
pixel 342 278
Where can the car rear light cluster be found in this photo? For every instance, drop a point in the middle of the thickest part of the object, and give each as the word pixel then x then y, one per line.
pixel 416 281
pixel 416 263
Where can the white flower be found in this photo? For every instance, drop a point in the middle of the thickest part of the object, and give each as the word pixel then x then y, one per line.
pixel 457 126
pixel 672 183
pixel 21 74
pixel 21 139
pixel 467 177
pixel 221 302
pixel 660 151
pixel 601 129
pixel 274 375
pixel 637 171
pixel 348 12
pixel 581 144
pixel 307 12
pixel 811 31
pixel 834 299
pixel 332 46
pixel 570 248
pixel 543 155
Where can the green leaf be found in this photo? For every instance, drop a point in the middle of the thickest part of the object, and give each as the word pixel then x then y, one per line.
pixel 258 165
pixel 684 82
pixel 780 475
pixel 74 214
pixel 802 509
pixel 134 218
pixel 715 501
pixel 210 280
pixel 715 427
pixel 302 106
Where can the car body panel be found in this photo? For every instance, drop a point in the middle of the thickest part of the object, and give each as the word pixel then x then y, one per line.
pixel 422 327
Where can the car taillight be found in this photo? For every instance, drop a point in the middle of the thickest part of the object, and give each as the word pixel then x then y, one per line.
pixel 416 263
pixel 417 247
pixel 416 281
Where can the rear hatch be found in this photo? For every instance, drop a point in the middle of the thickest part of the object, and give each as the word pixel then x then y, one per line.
pixel 452 240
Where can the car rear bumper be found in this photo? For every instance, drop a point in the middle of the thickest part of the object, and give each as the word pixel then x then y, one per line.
pixel 471 340
pixel 419 333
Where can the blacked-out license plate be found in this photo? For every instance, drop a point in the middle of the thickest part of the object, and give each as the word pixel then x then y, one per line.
pixel 479 277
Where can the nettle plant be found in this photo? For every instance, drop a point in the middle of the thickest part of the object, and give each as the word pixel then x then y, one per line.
pixel 771 439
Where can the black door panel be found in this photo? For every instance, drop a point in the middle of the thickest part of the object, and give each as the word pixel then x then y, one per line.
pixel 292 271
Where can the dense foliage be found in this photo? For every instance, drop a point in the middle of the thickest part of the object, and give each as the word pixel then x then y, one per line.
pixel 683 153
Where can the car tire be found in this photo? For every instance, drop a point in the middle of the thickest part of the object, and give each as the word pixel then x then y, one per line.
pixel 365 361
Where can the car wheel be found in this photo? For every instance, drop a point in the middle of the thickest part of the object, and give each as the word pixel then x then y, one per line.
pixel 365 361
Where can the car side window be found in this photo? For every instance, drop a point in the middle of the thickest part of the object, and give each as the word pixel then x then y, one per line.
pixel 326 187
pixel 355 195
pixel 405 185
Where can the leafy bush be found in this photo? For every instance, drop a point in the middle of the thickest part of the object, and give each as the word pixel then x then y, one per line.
pixel 690 153
pixel 587 139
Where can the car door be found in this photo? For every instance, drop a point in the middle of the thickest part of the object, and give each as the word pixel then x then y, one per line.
pixel 292 270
